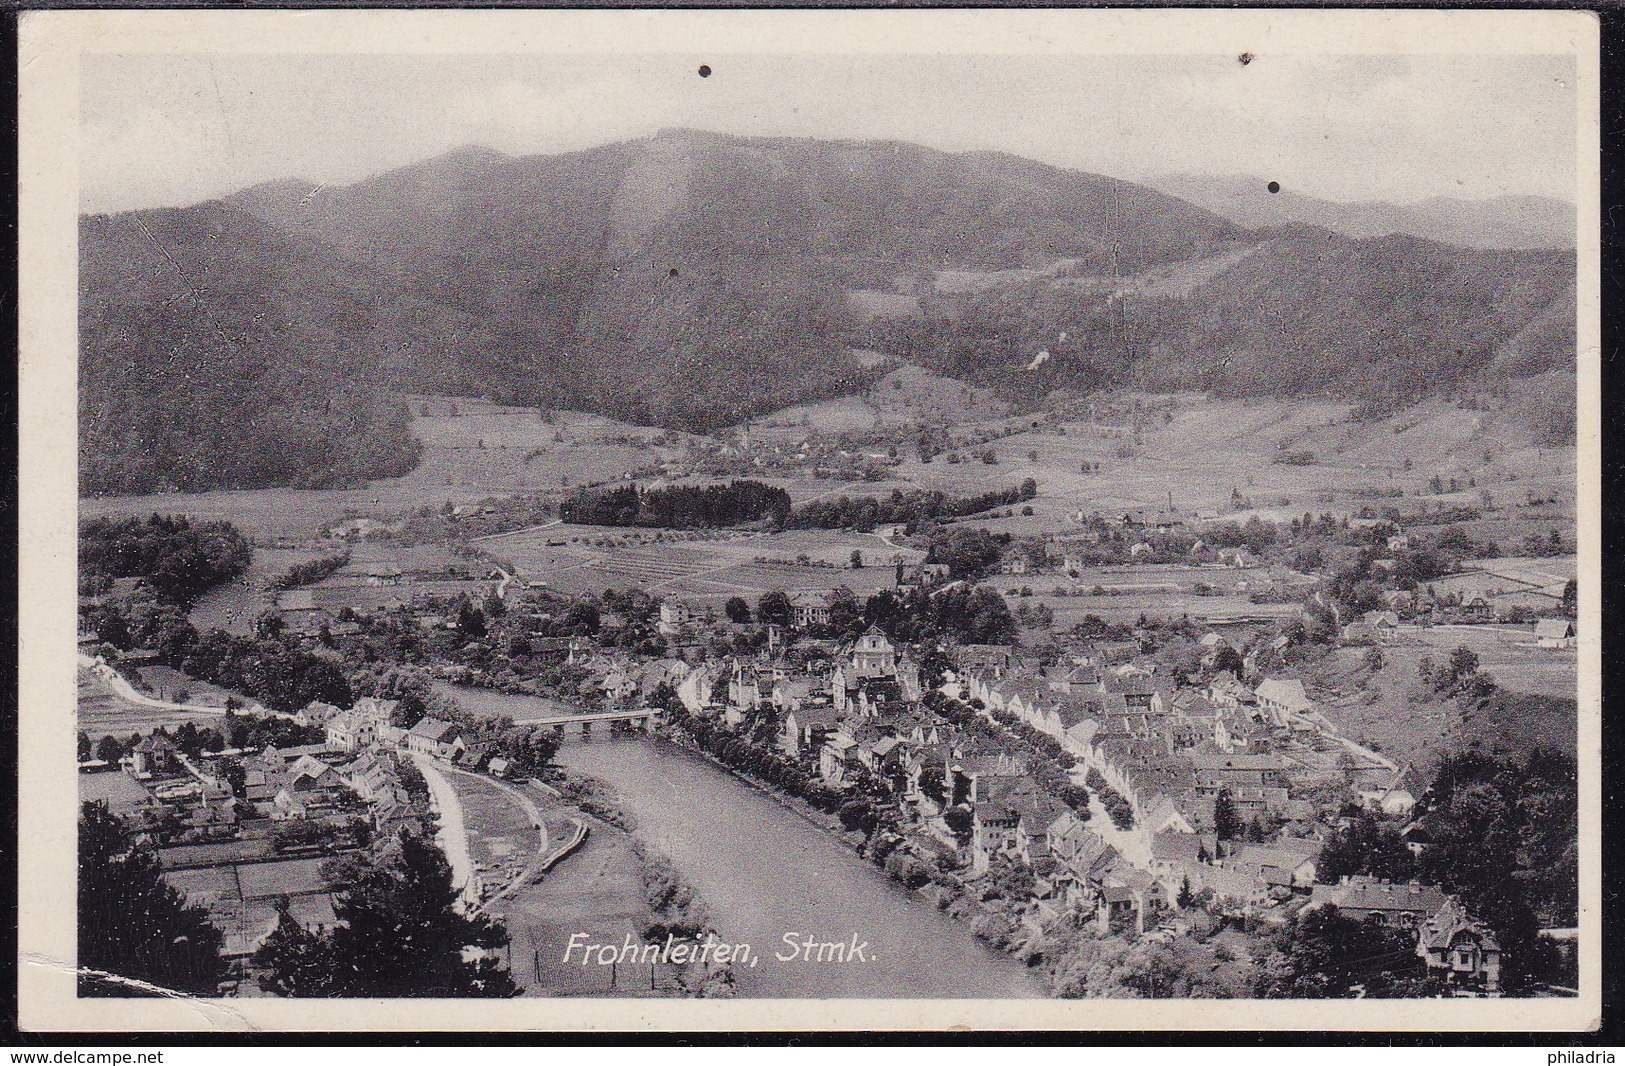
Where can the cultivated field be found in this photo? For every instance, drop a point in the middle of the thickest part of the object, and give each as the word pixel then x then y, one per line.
pixel 1505 652
pixel 501 839
pixel 1186 449
pixel 1156 591
pixel 242 899
pixel 1198 451
pixel 909 395
pixel 575 560
pixel 234 605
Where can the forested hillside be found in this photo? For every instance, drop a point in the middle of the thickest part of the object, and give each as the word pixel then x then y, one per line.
pixel 691 280
pixel 216 352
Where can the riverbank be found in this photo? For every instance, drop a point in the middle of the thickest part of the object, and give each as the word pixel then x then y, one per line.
pixel 678 913
pixel 943 890
pixel 819 921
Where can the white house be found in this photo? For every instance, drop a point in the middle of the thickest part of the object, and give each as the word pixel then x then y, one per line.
pixel 1282 698
pixel 1555 633
pixel 431 736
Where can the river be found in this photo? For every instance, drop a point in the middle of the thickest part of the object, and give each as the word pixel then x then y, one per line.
pixel 765 873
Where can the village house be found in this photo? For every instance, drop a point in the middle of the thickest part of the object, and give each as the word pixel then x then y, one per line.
pixel 1555 633
pixel 350 730
pixel 436 738
pixel 1282 699
pixel 674 615
pixel 965 777
pixel 806 727
pixel 1011 821
pixel 369 777
pixel 311 787
pixel 696 688
pixel 155 756
pixel 838 759
pixel 1287 863
pixel 918 576
pixel 369 574
pixel 1404 904
pixel 990 661
pixel 809 609
pixel 1463 949
pixel 300 613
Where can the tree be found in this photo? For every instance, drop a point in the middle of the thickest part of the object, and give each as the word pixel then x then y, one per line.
pixel 1366 845
pixel 470 620
pixel 397 935
pixel 293 961
pixel 1323 954
pixel 231 771
pixel 857 559
pixel 85 750
pixel 132 923
pixel 737 610
pixel 1226 822
pixel 857 814
pixel 109 750
pixel 845 614
pixel 773 608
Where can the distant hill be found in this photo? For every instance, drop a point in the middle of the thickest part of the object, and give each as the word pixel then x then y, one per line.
pixel 718 262
pixel 1300 313
pixel 1499 222
pixel 692 280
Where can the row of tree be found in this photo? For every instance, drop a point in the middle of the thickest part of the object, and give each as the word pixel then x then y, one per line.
pixel 310 571
pixel 679 506
pixel 864 513
pixel 279 674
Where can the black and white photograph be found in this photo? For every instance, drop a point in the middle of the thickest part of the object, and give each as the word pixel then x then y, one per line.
pixel 931 511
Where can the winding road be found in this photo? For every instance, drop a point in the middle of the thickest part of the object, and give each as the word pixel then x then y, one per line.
pixel 124 690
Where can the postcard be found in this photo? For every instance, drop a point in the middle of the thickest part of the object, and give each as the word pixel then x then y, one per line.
pixel 809 519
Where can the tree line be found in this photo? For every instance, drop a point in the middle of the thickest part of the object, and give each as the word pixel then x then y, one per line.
pixel 864 513
pixel 679 506
pixel 310 571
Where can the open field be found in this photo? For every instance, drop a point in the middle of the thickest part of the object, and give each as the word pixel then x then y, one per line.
pixel 1209 448
pixel 1503 652
pixel 101 712
pixel 242 898
pixel 520 453
pixel 597 891
pixel 234 605
pixel 1158 591
pixel 1190 450
pixel 501 839
pixel 567 561
pixel 909 395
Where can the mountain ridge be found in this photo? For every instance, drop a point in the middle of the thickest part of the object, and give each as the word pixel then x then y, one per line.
pixel 1506 222
pixel 690 279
